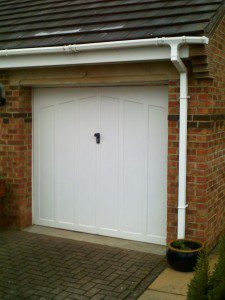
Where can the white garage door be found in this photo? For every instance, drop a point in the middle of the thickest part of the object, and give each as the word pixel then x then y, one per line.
pixel 112 183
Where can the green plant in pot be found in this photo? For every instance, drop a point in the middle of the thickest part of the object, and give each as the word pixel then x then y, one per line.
pixel 2 186
pixel 182 254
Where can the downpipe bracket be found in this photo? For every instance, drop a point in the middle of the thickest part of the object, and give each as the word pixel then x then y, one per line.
pixel 185 98
pixel 183 207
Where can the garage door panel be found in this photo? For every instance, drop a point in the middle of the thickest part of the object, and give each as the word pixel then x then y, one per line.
pixel 154 95
pixel 87 159
pixel 65 155
pixel 46 163
pixel 134 167
pixel 107 199
pixel 157 172
pixel 116 188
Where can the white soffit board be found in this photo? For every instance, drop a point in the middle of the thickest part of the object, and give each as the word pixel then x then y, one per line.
pixel 135 54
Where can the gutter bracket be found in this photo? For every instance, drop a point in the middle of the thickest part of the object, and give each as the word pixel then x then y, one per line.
pixel 6 52
pixel 70 48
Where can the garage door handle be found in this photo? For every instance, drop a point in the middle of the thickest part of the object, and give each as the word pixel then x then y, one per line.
pixel 98 137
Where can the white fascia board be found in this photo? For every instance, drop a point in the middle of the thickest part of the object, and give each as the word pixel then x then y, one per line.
pixel 115 55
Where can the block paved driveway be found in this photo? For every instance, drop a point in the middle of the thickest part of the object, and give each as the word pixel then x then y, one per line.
pixel 34 266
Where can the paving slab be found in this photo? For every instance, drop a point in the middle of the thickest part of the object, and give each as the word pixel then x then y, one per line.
pixel 171 284
pixel 212 261
pixel 155 295
pixel 36 266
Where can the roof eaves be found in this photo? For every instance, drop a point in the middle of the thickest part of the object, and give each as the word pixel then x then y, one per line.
pixel 213 24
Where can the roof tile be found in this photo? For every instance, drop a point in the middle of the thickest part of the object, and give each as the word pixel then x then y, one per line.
pixel 39 23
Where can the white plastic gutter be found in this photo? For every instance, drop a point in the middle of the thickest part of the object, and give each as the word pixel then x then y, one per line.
pixel 106 45
pixel 174 43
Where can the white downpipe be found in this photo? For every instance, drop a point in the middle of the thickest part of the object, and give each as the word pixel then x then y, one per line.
pixel 174 43
pixel 182 156
pixel 175 58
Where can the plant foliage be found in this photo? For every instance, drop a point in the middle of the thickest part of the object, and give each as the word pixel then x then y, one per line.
pixel 199 284
pixel 206 286
pixel 217 279
pixel 178 244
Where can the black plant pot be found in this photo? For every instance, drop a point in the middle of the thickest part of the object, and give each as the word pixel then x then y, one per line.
pixel 183 260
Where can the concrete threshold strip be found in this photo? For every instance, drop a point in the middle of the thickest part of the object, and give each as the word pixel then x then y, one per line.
pixel 98 239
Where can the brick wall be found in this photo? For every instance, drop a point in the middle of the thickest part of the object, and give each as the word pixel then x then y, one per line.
pixel 206 149
pixel 15 155
pixel 216 151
